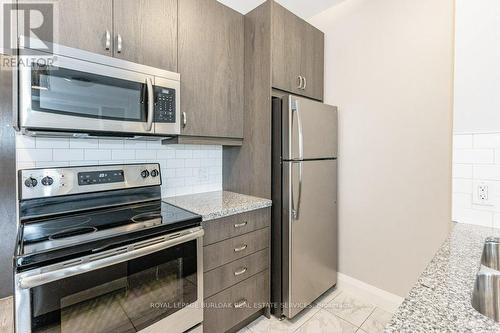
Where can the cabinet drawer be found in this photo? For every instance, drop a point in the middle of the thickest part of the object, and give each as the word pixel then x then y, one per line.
pixel 235 225
pixel 231 306
pixel 234 272
pixel 221 253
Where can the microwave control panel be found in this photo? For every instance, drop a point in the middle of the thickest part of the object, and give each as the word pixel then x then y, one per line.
pixel 164 105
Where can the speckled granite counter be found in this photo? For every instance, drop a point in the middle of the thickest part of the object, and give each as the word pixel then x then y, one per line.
pixel 441 299
pixel 213 205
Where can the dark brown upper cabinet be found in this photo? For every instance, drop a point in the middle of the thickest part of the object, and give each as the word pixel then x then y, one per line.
pixel 141 31
pixel 86 25
pixel 297 54
pixel 211 60
pixel 145 32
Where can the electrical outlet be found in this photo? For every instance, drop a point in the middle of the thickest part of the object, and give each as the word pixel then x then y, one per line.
pixel 482 193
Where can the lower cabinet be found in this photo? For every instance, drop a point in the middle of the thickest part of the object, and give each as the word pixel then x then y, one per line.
pixel 236 269
pixel 233 305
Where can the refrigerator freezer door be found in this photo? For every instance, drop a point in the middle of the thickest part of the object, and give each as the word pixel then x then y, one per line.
pixel 309 129
pixel 310 238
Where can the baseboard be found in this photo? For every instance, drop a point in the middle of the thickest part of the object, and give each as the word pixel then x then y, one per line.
pixel 379 297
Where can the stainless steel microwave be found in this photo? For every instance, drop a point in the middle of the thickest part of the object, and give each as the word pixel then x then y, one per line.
pixel 78 93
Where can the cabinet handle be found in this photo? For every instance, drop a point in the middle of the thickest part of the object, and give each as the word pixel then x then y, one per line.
pixel 300 80
pixel 240 304
pixel 120 43
pixel 108 40
pixel 184 119
pixel 240 225
pixel 305 83
pixel 241 248
pixel 241 271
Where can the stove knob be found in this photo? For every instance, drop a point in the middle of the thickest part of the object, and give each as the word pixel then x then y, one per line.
pixel 154 173
pixel 145 174
pixel 30 182
pixel 47 181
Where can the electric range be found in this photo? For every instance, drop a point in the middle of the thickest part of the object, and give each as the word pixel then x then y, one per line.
pixel 100 236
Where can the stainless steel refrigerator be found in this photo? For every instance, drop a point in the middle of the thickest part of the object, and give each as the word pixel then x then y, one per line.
pixel 304 218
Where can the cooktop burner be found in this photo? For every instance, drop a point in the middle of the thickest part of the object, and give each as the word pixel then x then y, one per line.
pixel 80 230
pixel 71 212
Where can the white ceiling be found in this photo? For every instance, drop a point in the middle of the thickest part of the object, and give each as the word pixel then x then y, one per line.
pixel 303 8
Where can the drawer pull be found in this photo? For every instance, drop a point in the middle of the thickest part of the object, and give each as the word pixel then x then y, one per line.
pixel 241 271
pixel 241 225
pixel 240 304
pixel 241 248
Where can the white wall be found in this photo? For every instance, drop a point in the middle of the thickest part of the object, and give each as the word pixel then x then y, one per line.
pixel 476 159
pixel 389 68
pixel 185 169
pixel 477 69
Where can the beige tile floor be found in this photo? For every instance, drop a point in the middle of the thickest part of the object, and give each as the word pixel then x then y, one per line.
pixel 336 311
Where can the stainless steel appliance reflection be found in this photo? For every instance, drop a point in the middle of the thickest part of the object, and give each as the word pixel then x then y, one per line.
pixel 98 251
pixel 304 174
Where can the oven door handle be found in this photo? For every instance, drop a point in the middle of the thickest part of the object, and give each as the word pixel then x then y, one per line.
pixel 96 261
pixel 151 104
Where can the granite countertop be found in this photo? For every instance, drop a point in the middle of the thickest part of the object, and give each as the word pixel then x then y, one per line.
pixel 213 205
pixel 441 299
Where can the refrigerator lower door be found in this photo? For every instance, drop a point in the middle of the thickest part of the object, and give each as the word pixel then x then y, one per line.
pixel 309 232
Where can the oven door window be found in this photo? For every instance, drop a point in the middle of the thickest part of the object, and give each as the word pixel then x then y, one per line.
pixel 74 93
pixel 125 297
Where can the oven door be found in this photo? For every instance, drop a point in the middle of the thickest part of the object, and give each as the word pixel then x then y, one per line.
pixel 151 286
pixel 80 96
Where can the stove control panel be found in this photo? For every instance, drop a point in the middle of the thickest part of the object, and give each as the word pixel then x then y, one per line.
pixel 40 183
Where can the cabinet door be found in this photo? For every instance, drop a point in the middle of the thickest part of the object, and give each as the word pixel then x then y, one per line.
pixel 148 32
pixel 85 25
pixel 312 62
pixel 211 67
pixel 286 49
pixel 297 51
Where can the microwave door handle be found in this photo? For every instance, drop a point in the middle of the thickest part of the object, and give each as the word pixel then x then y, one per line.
pixel 151 104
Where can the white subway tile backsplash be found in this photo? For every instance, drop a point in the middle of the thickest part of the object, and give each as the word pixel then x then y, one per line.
pixel 68 154
pixel 33 154
pixel 147 154
pixel 122 154
pixel 183 153
pixel 474 156
pixel 134 144
pixel 462 200
pixel 83 143
pixel 185 168
pixel 462 171
pixel 487 140
pixel 24 141
pixel 497 156
pixel 462 141
pixel 175 164
pixel 471 216
pixel 97 154
pixel 491 172
pixel 51 164
pixel 52 143
pixel 165 153
pixel 462 186
pixel 110 144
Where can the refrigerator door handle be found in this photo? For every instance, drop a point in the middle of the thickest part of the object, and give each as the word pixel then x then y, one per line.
pixel 296 211
pixel 300 131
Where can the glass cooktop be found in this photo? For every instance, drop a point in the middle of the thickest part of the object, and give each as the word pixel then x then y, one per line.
pixel 99 229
